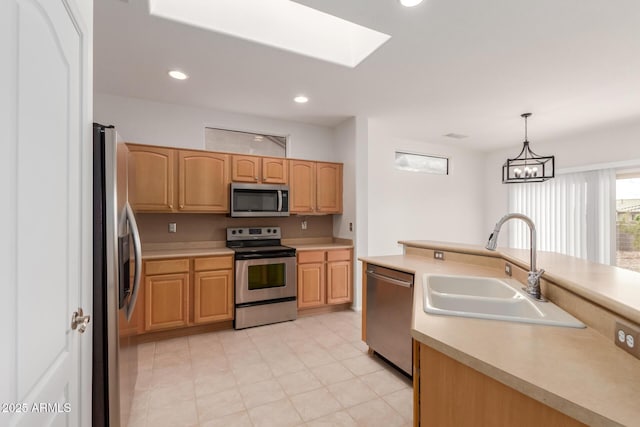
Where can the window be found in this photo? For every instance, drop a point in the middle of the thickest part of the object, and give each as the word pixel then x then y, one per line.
pixel 573 214
pixel 628 221
pixel 231 141
pixel 422 163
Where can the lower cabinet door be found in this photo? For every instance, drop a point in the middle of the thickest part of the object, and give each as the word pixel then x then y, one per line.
pixel 311 285
pixel 166 297
pixel 339 282
pixel 213 296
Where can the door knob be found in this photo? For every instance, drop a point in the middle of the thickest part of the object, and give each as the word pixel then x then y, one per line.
pixel 79 321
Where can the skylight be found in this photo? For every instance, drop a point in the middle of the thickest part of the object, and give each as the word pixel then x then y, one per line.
pixel 282 24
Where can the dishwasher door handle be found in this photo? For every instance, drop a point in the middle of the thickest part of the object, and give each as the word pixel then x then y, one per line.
pixel 390 279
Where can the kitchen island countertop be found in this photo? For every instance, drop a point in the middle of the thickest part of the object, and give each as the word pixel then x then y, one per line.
pixel 578 372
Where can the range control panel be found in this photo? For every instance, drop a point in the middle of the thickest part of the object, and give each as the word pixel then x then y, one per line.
pixel 253 233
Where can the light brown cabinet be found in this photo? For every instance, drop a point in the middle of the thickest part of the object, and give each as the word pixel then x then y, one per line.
pixel 256 169
pixel 166 294
pixel 316 187
pixel 213 289
pixel 203 181
pixel 449 393
pixel 164 179
pixel 328 187
pixel 339 276
pixel 324 278
pixel 311 279
pixel 151 178
pixel 170 180
pixel 185 292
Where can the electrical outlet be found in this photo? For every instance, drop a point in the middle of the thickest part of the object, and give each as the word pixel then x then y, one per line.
pixel 350 226
pixel 507 269
pixel 627 337
pixel 438 255
pixel 172 227
pixel 304 225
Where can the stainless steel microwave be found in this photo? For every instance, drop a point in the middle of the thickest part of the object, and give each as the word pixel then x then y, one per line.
pixel 259 200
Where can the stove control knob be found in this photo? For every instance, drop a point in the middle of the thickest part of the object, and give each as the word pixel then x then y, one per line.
pixel 233 231
pixel 240 231
pixel 268 230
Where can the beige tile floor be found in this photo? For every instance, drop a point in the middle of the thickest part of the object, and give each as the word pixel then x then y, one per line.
pixel 314 371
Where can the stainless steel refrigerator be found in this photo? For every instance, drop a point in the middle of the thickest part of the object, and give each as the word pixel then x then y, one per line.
pixel 116 279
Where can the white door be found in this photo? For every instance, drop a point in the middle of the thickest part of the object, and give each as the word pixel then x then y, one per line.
pixel 45 192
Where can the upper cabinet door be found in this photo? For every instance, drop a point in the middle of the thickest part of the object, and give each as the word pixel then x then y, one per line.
pixel 203 181
pixel 275 170
pixel 328 187
pixel 302 185
pixel 245 168
pixel 151 178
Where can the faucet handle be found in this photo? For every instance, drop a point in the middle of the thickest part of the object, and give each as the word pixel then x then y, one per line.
pixel 539 273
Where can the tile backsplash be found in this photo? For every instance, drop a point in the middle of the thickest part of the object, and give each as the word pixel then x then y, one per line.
pixel 154 227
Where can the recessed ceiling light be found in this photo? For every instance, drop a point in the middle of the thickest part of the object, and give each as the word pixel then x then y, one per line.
pixel 410 3
pixel 301 99
pixel 178 75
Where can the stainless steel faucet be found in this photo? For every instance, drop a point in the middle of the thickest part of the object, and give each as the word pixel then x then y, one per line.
pixel 533 280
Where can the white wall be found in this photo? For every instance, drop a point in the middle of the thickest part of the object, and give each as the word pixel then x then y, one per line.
pixel 351 141
pixel 417 206
pixel 612 144
pixel 155 123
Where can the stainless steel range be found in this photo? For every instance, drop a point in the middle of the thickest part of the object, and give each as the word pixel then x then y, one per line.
pixel 265 281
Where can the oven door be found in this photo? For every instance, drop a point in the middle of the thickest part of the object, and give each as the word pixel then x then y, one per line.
pixel 264 279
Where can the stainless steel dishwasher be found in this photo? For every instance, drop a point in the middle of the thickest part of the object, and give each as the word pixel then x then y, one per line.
pixel 389 307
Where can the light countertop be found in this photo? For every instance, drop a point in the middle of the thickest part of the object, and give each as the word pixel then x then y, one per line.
pixel 319 246
pixel 576 371
pixel 213 248
pixel 184 249
pixel 616 289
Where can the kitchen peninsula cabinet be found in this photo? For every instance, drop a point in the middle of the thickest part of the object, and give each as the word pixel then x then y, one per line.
pixel 316 187
pixel 256 169
pixel 213 289
pixel 203 181
pixel 151 178
pixel 324 278
pixel 166 288
pixel 449 393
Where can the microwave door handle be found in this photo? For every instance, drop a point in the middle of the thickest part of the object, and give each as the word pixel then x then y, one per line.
pixel 279 200
pixel 137 248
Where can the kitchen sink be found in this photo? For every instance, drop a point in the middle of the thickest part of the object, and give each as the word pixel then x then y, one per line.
pixel 490 298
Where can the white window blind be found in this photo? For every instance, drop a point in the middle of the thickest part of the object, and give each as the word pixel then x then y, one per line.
pixel 574 214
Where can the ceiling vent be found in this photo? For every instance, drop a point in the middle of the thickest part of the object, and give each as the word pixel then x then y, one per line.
pixel 456 136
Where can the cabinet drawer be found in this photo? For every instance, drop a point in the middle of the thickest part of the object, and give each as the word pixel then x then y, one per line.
pixel 213 263
pixel 166 266
pixel 339 255
pixel 310 256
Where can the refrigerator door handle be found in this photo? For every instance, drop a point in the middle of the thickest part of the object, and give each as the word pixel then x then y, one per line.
pixel 137 249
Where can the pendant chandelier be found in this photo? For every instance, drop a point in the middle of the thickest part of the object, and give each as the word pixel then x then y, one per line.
pixel 527 166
